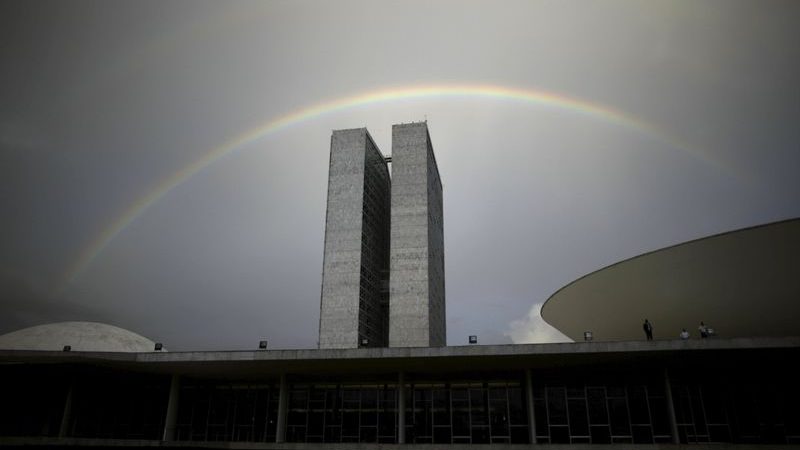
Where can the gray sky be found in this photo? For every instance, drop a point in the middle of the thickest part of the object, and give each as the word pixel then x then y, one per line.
pixel 665 121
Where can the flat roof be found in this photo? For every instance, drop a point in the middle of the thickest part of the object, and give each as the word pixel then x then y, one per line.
pixel 266 363
pixel 741 283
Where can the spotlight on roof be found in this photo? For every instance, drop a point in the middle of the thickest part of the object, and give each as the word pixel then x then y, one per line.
pixel 159 346
pixel 67 348
pixel 587 336
pixel 262 345
pixel 364 342
pixel 473 339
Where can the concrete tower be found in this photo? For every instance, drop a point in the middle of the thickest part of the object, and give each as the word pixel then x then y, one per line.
pixel 354 300
pixel 417 300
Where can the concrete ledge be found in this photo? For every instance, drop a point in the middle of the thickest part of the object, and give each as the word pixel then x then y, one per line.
pixel 420 359
pixel 566 348
pixel 11 442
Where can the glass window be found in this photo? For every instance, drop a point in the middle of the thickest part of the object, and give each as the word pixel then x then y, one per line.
pixel 369 398
pixel 519 435
pixel 642 434
pixel 578 420
pixel 480 435
pixel 369 434
pixel 478 407
pixel 316 423
pixel 540 416
pixel 598 413
pixel 637 402
pixel 618 412
pixel 516 409
pixel 559 435
pixel 441 435
pixel 461 422
pixel 658 411
pixel 600 435
pixel 557 405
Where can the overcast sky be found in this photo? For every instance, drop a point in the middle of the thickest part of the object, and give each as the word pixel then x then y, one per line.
pixel 666 121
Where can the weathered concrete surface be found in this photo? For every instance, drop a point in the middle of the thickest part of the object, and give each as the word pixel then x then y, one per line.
pixel 350 303
pixel 417 297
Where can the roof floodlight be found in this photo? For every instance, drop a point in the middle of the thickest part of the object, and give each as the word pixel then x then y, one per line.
pixel 262 345
pixel 473 339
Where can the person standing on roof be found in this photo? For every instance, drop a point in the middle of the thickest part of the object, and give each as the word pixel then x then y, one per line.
pixel 648 329
pixel 703 330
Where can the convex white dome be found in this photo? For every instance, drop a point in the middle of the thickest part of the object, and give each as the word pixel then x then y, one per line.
pixel 80 336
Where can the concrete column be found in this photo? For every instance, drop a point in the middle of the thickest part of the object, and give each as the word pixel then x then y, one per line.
pixel 529 404
pixel 67 416
pixel 283 406
pixel 673 423
pixel 401 408
pixel 172 408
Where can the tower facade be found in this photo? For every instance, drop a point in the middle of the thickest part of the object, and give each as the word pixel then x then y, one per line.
pixel 417 297
pixel 354 302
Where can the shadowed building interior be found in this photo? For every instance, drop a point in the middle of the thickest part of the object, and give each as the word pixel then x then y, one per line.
pixel 672 392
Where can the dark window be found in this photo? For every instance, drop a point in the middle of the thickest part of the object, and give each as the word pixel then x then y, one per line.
pixel 578 420
pixel 557 405
pixel 480 435
pixel 559 435
pixel 516 409
pixel 600 435
pixel 637 403
pixel 642 434
pixel 598 413
pixel 618 410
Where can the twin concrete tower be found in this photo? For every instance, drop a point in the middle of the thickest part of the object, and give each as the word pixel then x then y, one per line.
pixel 383 266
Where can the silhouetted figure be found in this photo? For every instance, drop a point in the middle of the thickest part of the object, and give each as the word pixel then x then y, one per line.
pixel 684 334
pixel 703 330
pixel 648 329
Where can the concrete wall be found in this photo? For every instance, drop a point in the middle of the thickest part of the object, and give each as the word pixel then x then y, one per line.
pixel 416 292
pixel 341 266
pixel 356 242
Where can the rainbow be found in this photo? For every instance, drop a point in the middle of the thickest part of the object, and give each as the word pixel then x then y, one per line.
pixel 536 97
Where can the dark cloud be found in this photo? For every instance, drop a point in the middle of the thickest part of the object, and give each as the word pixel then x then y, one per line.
pixel 25 304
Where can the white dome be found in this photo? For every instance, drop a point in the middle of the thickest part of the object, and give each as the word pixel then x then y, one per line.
pixel 80 336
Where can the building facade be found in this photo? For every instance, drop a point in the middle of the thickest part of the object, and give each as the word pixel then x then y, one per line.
pixel 417 289
pixel 354 305
pixel 383 267
pixel 647 393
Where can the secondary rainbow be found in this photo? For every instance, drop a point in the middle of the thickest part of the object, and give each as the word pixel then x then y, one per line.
pixel 537 97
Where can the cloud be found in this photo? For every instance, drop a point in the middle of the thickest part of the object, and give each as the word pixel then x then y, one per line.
pixel 533 329
pixel 19 136
pixel 25 304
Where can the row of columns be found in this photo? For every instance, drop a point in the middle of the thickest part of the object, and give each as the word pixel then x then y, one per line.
pixel 283 403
